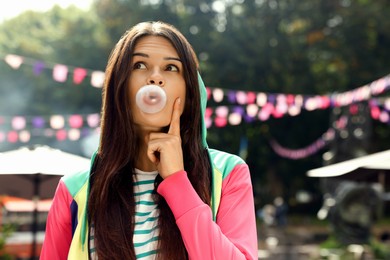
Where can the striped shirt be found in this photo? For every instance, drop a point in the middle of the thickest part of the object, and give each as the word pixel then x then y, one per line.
pixel 146 231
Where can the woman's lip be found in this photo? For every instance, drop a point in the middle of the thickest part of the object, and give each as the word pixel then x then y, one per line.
pixel 151 99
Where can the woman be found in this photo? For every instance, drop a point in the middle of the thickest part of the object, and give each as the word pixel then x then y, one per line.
pixel 155 190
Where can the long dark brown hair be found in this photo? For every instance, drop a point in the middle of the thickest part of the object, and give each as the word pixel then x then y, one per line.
pixel 111 205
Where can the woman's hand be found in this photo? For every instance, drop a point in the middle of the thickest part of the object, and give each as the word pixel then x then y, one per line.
pixel 164 149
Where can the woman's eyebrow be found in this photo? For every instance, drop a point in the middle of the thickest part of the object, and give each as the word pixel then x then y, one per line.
pixel 147 56
pixel 172 58
pixel 141 54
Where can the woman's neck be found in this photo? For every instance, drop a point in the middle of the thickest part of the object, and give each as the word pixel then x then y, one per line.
pixel 143 162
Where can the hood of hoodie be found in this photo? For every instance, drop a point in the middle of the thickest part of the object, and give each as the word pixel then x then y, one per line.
pixel 203 100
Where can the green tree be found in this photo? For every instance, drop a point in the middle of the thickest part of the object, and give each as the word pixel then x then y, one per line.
pixel 5 232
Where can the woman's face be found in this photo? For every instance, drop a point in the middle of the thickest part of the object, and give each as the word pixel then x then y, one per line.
pixel 155 61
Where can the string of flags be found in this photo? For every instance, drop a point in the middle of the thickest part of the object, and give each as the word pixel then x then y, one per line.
pixel 65 127
pixel 278 103
pixel 243 106
pixel 311 149
pixel 62 127
pixel 60 72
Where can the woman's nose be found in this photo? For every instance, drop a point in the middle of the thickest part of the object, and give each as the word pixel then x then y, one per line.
pixel 156 79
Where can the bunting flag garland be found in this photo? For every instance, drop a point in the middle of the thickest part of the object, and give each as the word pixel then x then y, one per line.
pixel 292 103
pixel 219 116
pixel 380 110
pixel 53 121
pixel 62 127
pixel 233 108
pixel 24 136
pixel 60 72
pixel 284 103
pixel 311 149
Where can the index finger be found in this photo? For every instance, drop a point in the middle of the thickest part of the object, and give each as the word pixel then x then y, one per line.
pixel 174 127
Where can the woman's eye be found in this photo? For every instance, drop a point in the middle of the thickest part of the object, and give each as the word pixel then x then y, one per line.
pixel 139 65
pixel 172 68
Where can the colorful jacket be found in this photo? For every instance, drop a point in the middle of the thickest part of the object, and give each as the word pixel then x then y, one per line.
pixel 227 230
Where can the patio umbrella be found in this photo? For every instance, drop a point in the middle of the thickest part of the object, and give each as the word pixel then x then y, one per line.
pixel 369 168
pixel 34 172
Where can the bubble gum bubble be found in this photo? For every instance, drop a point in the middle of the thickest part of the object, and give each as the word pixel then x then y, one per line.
pixel 151 99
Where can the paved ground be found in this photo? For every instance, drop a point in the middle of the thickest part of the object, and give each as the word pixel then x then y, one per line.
pixel 290 242
pixel 302 243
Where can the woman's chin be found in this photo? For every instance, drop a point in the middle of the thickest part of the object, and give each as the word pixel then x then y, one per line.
pixel 153 126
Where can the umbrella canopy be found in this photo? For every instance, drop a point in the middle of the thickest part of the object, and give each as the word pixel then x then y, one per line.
pixel 369 168
pixel 33 173
pixel 28 172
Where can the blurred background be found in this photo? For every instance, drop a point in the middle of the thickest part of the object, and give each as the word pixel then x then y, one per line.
pixel 293 85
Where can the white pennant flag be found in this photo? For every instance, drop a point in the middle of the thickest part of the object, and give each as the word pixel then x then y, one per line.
pixel 14 61
pixel 60 73
pixel 97 79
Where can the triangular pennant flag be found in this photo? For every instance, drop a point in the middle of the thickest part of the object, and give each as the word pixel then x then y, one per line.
pixel 93 120
pixel 12 136
pixel 18 122
pixel 38 122
pixel 38 67
pixel 14 61
pixel 218 95
pixel 74 134
pixel 79 75
pixel 24 136
pixel 251 97
pixel 241 97
pixel 60 72
pixel 57 122
pixel 97 79
pixel 76 121
pixel 61 135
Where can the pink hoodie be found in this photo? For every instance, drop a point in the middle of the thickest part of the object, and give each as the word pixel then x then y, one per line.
pixel 232 236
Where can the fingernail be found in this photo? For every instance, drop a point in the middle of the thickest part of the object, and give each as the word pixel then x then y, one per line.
pixel 179 101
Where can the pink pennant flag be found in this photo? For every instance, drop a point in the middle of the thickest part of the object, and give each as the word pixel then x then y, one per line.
pixel 251 97
pixel 60 73
pixel 208 92
pixel 222 111
pixel 76 121
pixel 61 135
pixel 220 121
pixel 97 79
pixel 18 123
pixel 78 75
pixel 14 61
pixel 12 136
pixel 241 97
pixel 93 120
